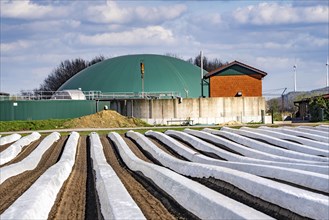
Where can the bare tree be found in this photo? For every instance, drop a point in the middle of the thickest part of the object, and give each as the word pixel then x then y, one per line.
pixel 96 59
pixel 174 55
pixel 64 72
pixel 208 65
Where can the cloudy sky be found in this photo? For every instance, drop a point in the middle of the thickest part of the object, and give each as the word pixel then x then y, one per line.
pixel 36 35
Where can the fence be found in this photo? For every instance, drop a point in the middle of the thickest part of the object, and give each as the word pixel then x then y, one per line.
pixel 89 95
pixel 45 109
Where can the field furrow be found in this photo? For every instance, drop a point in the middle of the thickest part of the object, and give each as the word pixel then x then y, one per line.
pixel 15 186
pixel 70 202
pixel 263 173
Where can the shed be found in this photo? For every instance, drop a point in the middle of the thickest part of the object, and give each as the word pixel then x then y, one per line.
pixel 235 79
pixel 303 105
pixel 4 96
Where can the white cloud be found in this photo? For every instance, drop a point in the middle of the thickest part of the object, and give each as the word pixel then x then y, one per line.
pixel 115 14
pixel 44 33
pixel 48 27
pixel 204 21
pixel 152 35
pixel 307 40
pixel 14 46
pixel 281 63
pixel 274 13
pixel 277 45
pixel 26 9
pixel 316 14
pixel 151 14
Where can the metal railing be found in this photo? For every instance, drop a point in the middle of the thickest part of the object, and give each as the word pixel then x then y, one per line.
pixel 89 95
pixel 139 95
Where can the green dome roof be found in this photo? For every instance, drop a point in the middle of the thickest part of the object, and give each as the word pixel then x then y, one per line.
pixel 122 74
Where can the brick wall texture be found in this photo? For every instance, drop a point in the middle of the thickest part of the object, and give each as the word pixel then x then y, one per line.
pixel 229 86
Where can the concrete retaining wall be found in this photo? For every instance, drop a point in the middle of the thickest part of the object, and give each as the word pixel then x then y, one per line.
pixel 154 111
pixel 200 110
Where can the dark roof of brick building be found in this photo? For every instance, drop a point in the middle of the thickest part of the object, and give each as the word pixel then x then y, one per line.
pixel 223 68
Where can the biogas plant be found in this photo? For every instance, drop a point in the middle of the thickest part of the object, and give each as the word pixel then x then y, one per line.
pixel 155 88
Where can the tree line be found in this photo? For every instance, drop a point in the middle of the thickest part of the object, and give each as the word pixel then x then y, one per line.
pixel 68 68
pixel 208 64
pixel 64 71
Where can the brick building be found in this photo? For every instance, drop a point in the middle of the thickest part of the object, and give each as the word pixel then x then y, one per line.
pixel 235 79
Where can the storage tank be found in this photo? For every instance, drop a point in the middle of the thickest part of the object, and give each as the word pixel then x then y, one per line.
pixel 123 74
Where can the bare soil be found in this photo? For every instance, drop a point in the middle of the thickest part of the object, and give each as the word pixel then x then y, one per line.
pixel 92 207
pixel 135 149
pixel 78 197
pixel 70 202
pixel 105 119
pixel 4 147
pixel 151 207
pixel 231 123
pixel 174 208
pixel 231 191
pixel 15 186
pixel 166 149
pixel 208 154
pixel 25 152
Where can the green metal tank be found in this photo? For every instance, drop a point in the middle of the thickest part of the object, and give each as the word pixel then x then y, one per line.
pixel 123 74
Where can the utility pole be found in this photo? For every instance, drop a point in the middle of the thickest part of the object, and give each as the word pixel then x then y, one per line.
pixel 282 100
pixel 295 77
pixel 201 71
pixel 327 64
pixel 142 67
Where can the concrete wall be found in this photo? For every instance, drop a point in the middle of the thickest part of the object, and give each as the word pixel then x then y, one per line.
pixel 200 110
pixel 156 111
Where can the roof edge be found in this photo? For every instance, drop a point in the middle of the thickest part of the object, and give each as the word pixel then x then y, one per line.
pixel 235 62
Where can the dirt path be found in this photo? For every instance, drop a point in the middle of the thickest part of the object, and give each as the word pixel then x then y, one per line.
pixel 151 207
pixel 70 202
pixel 15 186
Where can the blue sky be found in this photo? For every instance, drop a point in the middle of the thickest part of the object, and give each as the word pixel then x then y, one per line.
pixel 269 35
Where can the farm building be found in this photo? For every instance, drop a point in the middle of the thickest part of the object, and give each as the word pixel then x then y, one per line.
pixel 306 112
pixel 158 89
pixel 235 79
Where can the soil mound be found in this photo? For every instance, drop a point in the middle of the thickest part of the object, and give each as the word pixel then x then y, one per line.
pixel 105 119
pixel 231 123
